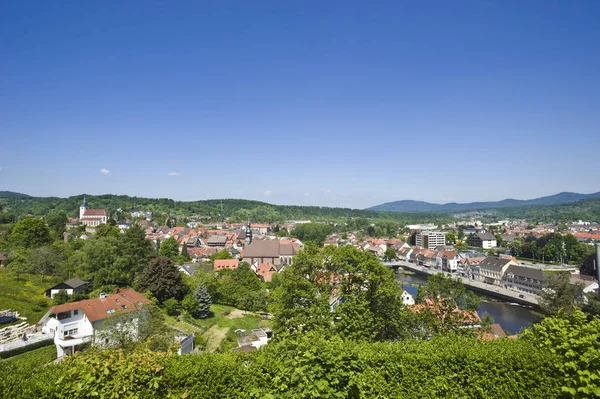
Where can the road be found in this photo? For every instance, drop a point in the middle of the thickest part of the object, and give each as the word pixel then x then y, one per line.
pixel 479 286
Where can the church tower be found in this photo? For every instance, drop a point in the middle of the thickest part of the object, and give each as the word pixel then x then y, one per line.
pixel 248 233
pixel 84 207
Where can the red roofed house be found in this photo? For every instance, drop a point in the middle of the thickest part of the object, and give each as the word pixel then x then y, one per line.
pixel 266 271
pixel 91 217
pixel 74 323
pixel 221 264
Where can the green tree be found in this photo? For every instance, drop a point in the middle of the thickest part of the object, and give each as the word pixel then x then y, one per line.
pixel 30 233
pixel 313 232
pixel 169 248
pixel 390 253
pixel 577 343
pixel 559 294
pixel 127 330
pixel 134 252
pixel 451 237
pixel 204 302
pixel 60 297
pixel 162 278
pixel 57 222
pixel 222 254
pixel 171 306
pixel 107 230
pixel 184 253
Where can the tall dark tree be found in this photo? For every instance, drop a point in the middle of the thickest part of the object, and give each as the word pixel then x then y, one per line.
pixel 134 251
pixel 184 253
pixel 204 301
pixel 162 278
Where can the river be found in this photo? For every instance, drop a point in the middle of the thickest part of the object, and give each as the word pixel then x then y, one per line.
pixel 512 317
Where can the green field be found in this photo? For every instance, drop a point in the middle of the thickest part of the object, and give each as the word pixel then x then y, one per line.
pixel 25 295
pixel 34 358
pixel 218 330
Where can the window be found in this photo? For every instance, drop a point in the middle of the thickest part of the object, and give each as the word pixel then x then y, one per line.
pixel 63 315
pixel 75 312
pixel 72 331
pixel 124 307
pixel 109 311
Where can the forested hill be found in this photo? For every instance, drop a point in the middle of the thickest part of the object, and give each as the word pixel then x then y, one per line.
pixel 588 210
pixel 237 210
pixel 420 206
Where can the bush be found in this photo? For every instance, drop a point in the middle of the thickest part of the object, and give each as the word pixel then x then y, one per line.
pixel 172 307
pixel 308 366
pixel 27 348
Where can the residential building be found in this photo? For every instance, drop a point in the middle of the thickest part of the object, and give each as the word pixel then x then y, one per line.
pixel 91 217
pixel 407 299
pixel 482 240
pixel 266 271
pixel 523 279
pixel 74 323
pixel 449 261
pixel 220 264
pixel 491 270
pixel 71 286
pixel 430 239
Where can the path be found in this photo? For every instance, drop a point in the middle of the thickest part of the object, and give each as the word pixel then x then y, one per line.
pixel 214 336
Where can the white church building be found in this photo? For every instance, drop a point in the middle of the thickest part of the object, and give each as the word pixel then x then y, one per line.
pixel 91 217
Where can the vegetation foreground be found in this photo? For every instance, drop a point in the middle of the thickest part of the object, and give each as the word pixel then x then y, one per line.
pixel 559 357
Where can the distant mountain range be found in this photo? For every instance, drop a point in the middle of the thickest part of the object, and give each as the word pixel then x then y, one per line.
pixel 421 206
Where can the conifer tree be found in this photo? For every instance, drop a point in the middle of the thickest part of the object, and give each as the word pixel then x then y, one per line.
pixel 204 301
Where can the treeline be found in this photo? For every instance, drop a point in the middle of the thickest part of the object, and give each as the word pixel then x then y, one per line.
pixel 552 247
pixel 559 358
pixel 237 210
pixel 588 210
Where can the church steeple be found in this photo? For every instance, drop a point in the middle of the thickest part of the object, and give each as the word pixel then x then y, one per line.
pixel 84 207
pixel 248 233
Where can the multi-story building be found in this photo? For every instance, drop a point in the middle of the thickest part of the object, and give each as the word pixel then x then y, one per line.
pixel 524 279
pixel 91 217
pixel 74 323
pixel 430 239
pixel 482 240
pixel 491 270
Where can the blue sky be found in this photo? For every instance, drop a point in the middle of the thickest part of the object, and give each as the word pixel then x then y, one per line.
pixel 323 103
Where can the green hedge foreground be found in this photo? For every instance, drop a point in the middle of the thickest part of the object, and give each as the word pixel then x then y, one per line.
pixel 559 357
pixel 307 367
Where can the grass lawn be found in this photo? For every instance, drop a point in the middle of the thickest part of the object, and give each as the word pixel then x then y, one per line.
pixel 218 329
pixel 25 295
pixel 35 358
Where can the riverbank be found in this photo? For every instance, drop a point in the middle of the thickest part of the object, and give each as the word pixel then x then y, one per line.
pixel 477 286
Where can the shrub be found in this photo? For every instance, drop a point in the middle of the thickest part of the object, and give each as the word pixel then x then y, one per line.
pixel 172 307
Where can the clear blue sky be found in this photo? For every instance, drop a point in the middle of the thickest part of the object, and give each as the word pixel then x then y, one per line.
pixel 300 102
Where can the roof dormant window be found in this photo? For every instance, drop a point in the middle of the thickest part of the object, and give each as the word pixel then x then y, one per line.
pixel 109 311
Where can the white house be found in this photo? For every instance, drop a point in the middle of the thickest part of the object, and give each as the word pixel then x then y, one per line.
pixel 74 323
pixel 407 299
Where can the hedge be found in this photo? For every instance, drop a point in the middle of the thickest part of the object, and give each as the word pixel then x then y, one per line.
pixel 308 367
pixel 26 348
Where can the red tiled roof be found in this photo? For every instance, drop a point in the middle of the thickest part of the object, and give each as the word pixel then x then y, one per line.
pixel 95 309
pixel 266 270
pixel 94 212
pixel 226 264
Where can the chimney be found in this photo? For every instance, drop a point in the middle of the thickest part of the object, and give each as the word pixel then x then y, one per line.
pixel 102 296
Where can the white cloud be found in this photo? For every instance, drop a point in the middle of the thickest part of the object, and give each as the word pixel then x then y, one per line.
pixel 307 194
pixel 174 174
pixel 105 172
pixel 267 193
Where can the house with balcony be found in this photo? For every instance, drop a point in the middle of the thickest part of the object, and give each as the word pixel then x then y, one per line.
pixel 72 324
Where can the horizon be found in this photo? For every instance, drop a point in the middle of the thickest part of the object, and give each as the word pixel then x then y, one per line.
pixel 291 204
pixel 339 105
